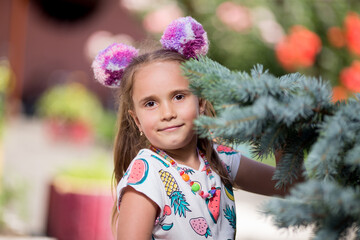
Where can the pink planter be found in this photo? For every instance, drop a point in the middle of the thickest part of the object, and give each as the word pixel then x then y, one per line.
pixel 76 131
pixel 75 216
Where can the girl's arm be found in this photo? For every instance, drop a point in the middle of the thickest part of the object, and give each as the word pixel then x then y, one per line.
pixel 136 216
pixel 256 177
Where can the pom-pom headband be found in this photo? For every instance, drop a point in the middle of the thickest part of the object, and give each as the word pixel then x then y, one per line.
pixel 184 35
pixel 109 64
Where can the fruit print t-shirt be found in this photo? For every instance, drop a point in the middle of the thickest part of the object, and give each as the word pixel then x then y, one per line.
pixel 183 213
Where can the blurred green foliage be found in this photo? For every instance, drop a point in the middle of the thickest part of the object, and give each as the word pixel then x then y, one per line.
pixel 97 168
pixel 90 176
pixel 71 102
pixel 244 33
pixel 74 103
pixel 105 128
pixel 241 50
pixel 12 202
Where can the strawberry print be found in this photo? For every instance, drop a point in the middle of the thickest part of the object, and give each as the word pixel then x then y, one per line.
pixel 180 213
pixel 200 226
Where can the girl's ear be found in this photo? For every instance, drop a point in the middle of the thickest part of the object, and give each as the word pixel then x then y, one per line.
pixel 202 104
pixel 136 119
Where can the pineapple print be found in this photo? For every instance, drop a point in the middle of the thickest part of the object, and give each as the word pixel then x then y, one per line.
pixel 169 182
pixel 178 201
pixel 230 215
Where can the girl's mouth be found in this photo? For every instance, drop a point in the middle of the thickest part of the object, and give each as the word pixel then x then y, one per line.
pixel 170 128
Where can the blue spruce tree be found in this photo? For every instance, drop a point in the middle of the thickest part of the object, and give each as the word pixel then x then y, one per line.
pixel 295 114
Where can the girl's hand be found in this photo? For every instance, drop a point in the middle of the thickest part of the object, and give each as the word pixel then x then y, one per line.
pixel 136 216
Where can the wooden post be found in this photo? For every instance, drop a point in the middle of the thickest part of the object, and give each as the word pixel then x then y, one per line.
pixel 18 26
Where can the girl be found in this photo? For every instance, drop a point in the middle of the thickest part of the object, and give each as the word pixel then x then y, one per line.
pixel 171 184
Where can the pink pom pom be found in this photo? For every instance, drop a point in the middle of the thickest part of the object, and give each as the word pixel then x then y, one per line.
pixel 110 63
pixel 186 36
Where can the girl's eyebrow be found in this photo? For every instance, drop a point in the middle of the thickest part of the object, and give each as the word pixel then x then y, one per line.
pixel 152 97
pixel 185 91
pixel 146 99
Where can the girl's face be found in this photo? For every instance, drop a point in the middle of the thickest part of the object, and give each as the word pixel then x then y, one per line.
pixel 164 107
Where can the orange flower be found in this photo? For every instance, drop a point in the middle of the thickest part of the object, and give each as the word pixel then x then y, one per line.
pixel 352 32
pixel 339 93
pixel 336 37
pixel 298 49
pixel 350 77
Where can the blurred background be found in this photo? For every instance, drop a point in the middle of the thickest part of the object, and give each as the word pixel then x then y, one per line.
pixel 57 123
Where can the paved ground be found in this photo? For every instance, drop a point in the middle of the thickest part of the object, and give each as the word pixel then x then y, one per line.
pixel 32 159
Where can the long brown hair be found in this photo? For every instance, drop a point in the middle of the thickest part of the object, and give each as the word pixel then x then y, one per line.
pixel 128 141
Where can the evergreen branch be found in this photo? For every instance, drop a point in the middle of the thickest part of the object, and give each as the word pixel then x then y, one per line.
pixel 270 140
pixel 353 157
pixel 322 204
pixel 290 166
pixel 293 113
pixel 338 136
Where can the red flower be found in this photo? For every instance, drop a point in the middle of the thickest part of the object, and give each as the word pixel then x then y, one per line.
pixel 352 32
pixel 350 77
pixel 298 49
pixel 336 37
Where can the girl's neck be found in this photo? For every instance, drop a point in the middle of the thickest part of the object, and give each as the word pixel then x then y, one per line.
pixel 186 156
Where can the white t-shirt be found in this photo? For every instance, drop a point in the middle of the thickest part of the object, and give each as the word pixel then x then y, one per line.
pixel 183 213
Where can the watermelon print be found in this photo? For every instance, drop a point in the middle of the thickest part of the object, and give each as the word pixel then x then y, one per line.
pixel 226 150
pixel 183 213
pixel 159 159
pixel 214 205
pixel 200 226
pixel 138 172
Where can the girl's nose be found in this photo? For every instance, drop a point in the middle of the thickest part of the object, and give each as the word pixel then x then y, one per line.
pixel 167 112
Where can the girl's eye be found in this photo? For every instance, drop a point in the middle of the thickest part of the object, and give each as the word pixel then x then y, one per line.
pixel 179 97
pixel 150 104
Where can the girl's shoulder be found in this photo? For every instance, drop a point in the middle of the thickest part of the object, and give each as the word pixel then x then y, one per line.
pixel 143 176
